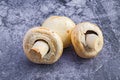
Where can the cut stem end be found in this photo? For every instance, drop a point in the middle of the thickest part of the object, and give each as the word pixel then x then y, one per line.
pixel 92 41
pixel 40 47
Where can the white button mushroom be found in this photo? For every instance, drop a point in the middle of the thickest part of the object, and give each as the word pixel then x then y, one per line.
pixel 87 39
pixel 62 26
pixel 42 45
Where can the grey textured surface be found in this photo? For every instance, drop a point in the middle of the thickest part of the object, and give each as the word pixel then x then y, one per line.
pixel 17 16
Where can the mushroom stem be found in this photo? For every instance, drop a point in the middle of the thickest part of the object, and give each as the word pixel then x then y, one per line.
pixel 92 41
pixel 40 47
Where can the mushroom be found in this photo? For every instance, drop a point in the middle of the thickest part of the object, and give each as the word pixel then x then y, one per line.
pixel 42 45
pixel 87 39
pixel 62 26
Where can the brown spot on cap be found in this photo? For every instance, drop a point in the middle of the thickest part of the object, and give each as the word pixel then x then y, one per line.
pixel 68 31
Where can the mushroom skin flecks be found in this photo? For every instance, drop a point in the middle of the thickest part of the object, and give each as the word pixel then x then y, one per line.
pixel 62 26
pixel 87 39
pixel 42 45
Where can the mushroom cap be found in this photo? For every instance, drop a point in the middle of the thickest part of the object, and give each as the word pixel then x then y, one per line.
pixel 50 37
pixel 62 26
pixel 78 38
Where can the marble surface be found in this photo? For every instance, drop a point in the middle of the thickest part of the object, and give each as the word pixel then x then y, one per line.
pixel 17 16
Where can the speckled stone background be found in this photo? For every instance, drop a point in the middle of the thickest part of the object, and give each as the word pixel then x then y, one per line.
pixel 17 16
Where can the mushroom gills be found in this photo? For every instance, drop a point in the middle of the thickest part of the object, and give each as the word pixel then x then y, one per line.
pixel 92 39
pixel 40 47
